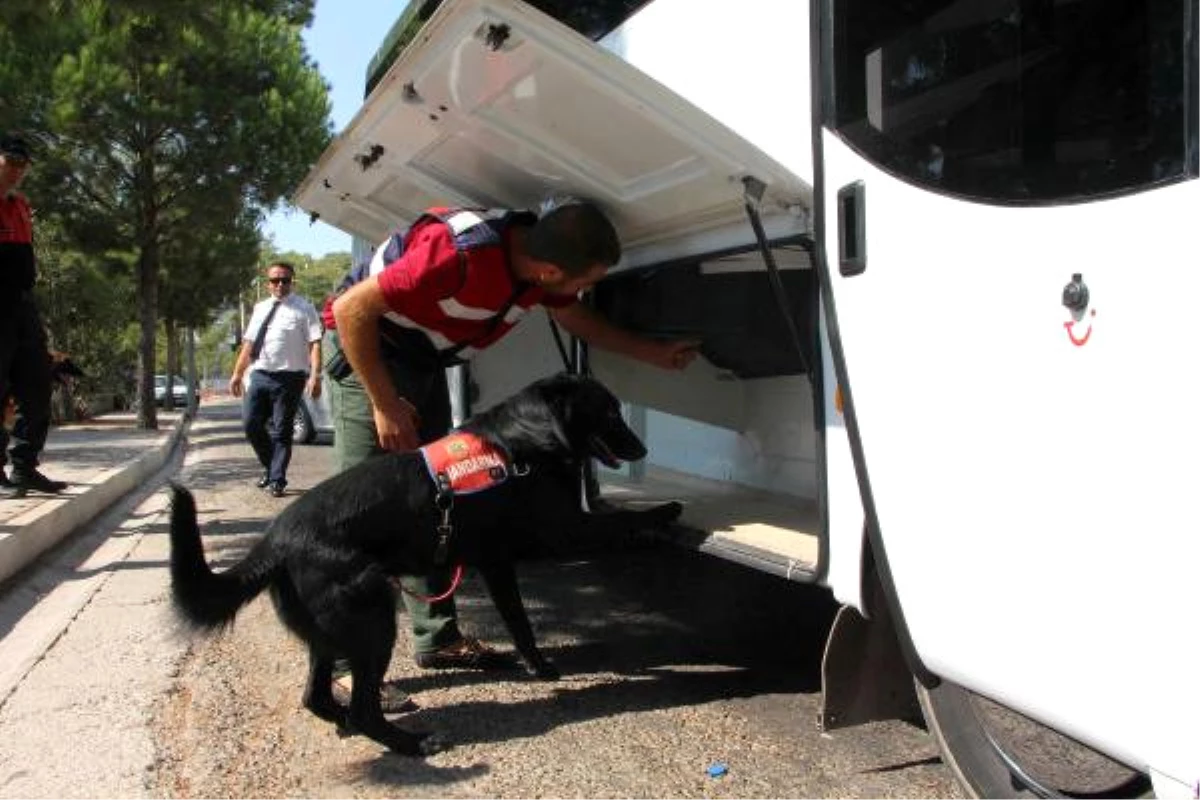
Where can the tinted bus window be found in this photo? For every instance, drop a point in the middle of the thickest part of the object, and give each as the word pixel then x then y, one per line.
pixel 1018 101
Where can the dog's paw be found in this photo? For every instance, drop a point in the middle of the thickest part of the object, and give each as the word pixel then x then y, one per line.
pixel 667 512
pixel 433 744
pixel 417 744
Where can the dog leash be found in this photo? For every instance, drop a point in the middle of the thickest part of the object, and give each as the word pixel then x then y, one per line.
pixel 454 582
pixel 445 503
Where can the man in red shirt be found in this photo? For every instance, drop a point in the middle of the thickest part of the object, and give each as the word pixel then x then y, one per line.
pixel 24 358
pixel 454 283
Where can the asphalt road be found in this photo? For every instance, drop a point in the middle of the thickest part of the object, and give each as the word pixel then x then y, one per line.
pixel 672 662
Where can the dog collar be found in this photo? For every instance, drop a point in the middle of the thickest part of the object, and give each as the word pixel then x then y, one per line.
pixel 464 463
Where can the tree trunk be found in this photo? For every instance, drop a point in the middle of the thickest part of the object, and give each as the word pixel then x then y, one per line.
pixel 148 321
pixel 189 345
pixel 171 331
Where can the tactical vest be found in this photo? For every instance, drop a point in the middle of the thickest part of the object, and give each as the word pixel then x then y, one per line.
pixel 470 229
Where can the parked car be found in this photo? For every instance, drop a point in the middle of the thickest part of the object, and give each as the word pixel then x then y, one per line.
pixel 314 420
pixel 178 391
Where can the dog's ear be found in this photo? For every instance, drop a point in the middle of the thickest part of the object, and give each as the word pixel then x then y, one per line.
pixel 554 413
pixel 527 423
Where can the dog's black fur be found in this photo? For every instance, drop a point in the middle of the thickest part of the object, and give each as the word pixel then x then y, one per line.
pixel 328 559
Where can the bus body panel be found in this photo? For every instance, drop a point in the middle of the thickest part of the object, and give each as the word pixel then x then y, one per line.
pixel 843 502
pixel 1025 466
pixel 751 76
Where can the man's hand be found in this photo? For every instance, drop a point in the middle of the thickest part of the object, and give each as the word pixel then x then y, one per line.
pixel 671 355
pixel 589 325
pixel 398 430
pixel 314 386
pixel 236 388
pixel 357 313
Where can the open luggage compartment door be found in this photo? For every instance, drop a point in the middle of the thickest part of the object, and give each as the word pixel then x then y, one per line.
pixel 496 105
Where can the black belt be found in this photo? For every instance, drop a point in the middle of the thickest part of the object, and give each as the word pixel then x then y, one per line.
pixel 282 372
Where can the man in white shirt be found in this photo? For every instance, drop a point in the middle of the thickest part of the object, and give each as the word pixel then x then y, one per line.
pixel 282 350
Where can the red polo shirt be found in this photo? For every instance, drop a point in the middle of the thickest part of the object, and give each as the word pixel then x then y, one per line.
pixel 426 289
pixel 17 270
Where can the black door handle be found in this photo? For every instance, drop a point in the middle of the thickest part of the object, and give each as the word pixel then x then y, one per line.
pixel 852 229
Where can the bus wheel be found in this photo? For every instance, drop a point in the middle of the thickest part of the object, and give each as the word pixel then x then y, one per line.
pixel 995 752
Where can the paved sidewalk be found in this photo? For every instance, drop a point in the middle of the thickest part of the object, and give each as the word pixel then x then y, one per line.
pixel 102 459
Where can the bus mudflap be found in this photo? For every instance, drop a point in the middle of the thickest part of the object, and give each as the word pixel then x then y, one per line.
pixel 864 676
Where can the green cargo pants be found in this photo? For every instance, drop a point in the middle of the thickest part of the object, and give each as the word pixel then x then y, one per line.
pixel 355 439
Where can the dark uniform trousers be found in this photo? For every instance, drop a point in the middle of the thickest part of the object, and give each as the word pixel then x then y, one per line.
pixel 25 374
pixel 271 403
pixel 355 440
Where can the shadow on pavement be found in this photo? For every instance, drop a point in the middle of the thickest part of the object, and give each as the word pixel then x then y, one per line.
pixel 660 629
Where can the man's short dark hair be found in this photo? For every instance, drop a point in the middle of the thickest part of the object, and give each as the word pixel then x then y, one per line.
pixel 575 237
pixel 285 264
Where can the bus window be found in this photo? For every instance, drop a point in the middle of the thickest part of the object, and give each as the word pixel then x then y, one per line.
pixel 1018 101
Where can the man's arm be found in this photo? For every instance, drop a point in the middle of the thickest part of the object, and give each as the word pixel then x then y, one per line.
pixel 314 369
pixel 582 321
pixel 316 330
pixel 236 385
pixel 239 369
pixel 357 313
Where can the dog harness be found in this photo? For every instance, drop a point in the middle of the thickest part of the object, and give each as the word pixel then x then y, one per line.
pixel 462 463
pixel 465 463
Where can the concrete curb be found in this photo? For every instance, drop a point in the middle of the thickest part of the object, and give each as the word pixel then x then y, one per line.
pixel 56 519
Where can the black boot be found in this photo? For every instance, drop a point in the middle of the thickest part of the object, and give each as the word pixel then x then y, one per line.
pixel 8 489
pixel 32 480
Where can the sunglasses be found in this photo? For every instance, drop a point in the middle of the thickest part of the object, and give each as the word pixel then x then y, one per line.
pixel 284 281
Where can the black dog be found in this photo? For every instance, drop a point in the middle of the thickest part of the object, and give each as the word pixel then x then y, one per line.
pixel 328 559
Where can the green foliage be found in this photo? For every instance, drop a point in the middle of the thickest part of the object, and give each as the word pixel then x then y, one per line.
pixel 157 116
pixel 29 30
pixel 85 305
pixel 166 131
pixel 214 355
pixel 204 269
pixel 163 133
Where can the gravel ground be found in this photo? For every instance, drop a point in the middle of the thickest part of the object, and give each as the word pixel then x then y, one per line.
pixel 671 661
pixel 647 703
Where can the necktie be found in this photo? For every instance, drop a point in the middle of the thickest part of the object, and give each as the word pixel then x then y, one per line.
pixel 261 337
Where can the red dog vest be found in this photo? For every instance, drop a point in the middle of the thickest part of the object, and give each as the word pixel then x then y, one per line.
pixel 468 463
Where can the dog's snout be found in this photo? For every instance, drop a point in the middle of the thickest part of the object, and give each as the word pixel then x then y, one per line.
pixel 626 444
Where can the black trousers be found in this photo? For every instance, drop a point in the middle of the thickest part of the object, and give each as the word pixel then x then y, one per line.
pixel 270 411
pixel 25 374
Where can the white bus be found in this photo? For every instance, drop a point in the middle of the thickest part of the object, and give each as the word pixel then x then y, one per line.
pixel 936 251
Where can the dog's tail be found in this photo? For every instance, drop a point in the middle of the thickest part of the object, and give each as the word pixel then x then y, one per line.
pixel 207 599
